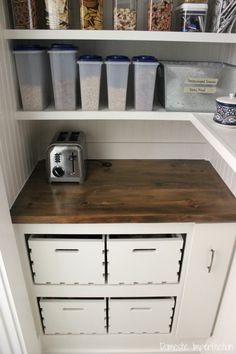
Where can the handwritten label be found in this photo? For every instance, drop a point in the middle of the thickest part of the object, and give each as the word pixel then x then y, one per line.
pixel 198 89
pixel 201 81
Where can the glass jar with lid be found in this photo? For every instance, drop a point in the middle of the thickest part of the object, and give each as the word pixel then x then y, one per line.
pixel 159 15
pixel 91 14
pixel 125 15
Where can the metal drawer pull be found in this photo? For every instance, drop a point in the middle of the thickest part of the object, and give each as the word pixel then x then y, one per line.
pixel 144 250
pixel 140 309
pixel 63 250
pixel 211 261
pixel 73 309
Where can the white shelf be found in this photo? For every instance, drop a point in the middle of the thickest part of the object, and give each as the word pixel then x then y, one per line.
pixel 222 138
pixel 104 114
pixel 121 35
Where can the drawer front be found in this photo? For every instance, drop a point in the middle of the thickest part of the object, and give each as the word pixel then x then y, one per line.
pixel 62 261
pixel 73 316
pixel 144 260
pixel 141 315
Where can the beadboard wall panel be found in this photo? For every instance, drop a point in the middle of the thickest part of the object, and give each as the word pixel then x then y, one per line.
pixel 18 140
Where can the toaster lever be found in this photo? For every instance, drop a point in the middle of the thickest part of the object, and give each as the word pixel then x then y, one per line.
pixel 72 158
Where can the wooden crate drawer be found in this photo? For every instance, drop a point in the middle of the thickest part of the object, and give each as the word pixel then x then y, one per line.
pixel 73 316
pixel 144 259
pixel 141 315
pixel 67 261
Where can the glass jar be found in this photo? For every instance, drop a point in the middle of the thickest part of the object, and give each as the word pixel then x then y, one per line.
pixel 159 15
pixel 24 14
pixel 57 14
pixel 91 14
pixel 125 15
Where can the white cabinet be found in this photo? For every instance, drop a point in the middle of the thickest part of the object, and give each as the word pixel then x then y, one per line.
pixel 137 311
pixel 209 261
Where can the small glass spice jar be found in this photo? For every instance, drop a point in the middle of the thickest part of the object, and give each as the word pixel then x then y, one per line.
pixel 91 14
pixel 125 15
pixel 159 15
pixel 24 14
pixel 57 14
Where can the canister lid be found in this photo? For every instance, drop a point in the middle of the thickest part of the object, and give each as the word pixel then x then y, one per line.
pixel 117 58
pixel 28 48
pixel 90 58
pixel 145 59
pixel 193 7
pixel 62 47
pixel 231 99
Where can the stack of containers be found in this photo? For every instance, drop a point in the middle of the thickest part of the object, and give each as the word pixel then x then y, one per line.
pixel 33 72
pixel 90 79
pixel 191 16
pixel 145 68
pixel 117 67
pixel 64 75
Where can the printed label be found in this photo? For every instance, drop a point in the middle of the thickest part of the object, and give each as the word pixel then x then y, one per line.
pixel 198 89
pixel 202 81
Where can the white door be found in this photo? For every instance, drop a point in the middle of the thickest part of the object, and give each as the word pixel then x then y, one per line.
pixel 211 252
pixel 17 330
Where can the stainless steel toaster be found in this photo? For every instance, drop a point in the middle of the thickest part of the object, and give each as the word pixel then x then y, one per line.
pixel 66 157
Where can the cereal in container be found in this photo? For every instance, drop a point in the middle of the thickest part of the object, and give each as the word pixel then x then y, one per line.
pixel 91 14
pixel 125 15
pixel 159 15
pixel 24 14
pixel 57 14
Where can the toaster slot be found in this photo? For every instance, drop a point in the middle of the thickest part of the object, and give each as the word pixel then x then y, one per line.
pixel 62 136
pixel 74 136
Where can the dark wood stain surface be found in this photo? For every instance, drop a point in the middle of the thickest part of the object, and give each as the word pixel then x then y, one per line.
pixel 129 191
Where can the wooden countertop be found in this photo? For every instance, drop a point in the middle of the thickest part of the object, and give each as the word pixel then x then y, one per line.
pixel 129 191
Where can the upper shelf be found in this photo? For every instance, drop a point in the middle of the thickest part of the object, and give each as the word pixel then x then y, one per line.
pixel 121 35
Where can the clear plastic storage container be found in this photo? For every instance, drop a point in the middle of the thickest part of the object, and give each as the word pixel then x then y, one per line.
pixel 33 72
pixel 64 75
pixel 117 67
pixel 191 17
pixel 159 15
pixel 145 68
pixel 91 14
pixel 125 14
pixel 90 79
pixel 57 14
pixel 24 14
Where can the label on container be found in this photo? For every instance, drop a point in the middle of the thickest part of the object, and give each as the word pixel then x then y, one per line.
pixel 201 81
pixel 200 89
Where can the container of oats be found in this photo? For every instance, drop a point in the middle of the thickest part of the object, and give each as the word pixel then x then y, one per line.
pixel 64 75
pixel 32 68
pixel 117 67
pixel 125 15
pixel 24 14
pixel 91 14
pixel 90 78
pixel 145 68
pixel 57 14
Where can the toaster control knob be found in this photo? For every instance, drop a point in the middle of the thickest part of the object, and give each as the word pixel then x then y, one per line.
pixel 58 171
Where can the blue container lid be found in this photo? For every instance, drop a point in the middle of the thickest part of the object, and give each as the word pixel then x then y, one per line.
pixel 117 58
pixel 62 47
pixel 90 58
pixel 27 47
pixel 145 59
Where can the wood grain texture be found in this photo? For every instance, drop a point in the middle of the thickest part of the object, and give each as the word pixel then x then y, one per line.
pixel 129 191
